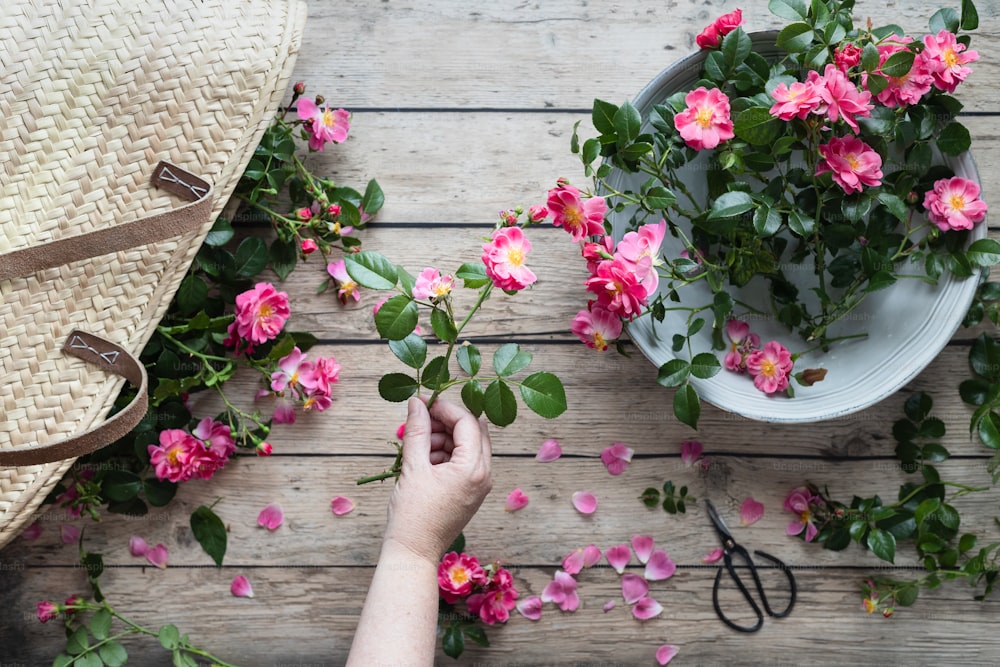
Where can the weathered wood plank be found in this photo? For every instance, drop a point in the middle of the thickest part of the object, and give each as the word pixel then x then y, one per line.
pixel 308 616
pixel 539 55
pixel 540 534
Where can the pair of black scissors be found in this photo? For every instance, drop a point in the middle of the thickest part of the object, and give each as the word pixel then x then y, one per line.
pixel 731 548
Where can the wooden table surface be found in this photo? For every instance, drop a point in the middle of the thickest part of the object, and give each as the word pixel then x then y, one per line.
pixel 460 110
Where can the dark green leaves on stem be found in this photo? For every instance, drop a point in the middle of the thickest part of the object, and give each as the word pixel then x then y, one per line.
pixel 499 403
pixel 372 270
pixel 544 394
pixel 210 532
pixel 397 318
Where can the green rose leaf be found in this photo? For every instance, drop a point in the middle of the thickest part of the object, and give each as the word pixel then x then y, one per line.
pixel 473 396
pixel 452 641
pixel 77 642
pixel 898 64
pixel 795 37
pixel 473 275
pixel 373 199
pixel 984 252
pixel 793 10
pixel 113 654
pixel 499 403
pixel 970 17
pixel 469 359
pixel 705 365
pixel 687 406
pixel 251 257
pixel 221 233
pixel 883 544
pixel 192 294
pixel 411 350
pixel 89 660
pixel 158 493
pixel 730 205
pixel 766 221
pixel 100 624
pixel 476 634
pixel 757 126
pixel 397 318
pixel 659 197
pixel 800 223
pixel 603 116
pixel 945 19
pixel 509 359
pixel 284 256
pixel 397 387
pixel 372 270
pixel 169 636
pixel 63 660
pixel 210 532
pixel 985 357
pixel 443 325
pixel 954 139
pixel 435 373
pixel 627 123
pixel 905 597
pixel 120 486
pixel 736 46
pixel 544 394
pixel 674 373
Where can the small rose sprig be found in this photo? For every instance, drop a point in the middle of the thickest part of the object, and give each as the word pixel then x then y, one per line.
pixel 485 388
pixel 923 514
pixel 671 499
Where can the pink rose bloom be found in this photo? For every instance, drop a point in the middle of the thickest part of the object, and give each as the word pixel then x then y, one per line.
pixel 260 315
pixel 457 574
pixel 706 122
pixel 796 101
pixel 954 203
pixel 346 287
pixel 843 99
pixel 906 89
pixel 318 377
pixel 642 248
pixel 596 252
pixel 617 287
pixel 504 259
pixel 309 246
pixel 46 611
pixel 581 218
pixel 799 501
pixel 537 214
pixel 596 327
pixel 430 284
pixel 217 438
pixel 176 456
pixel 711 36
pixel 853 163
pixel 290 370
pixel 323 124
pixel 770 367
pixel 846 57
pixel 947 60
pixel 496 601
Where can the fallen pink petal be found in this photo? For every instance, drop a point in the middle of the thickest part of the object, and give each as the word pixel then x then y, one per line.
pixel 713 556
pixel 643 547
pixel 691 451
pixel 659 566
pixel 241 588
pixel 666 653
pixel 562 591
pixel 751 511
pixel 578 559
pixel 530 608
pixel 634 588
pixel 608 606
pixel 341 505
pixel 516 499
pixel 32 532
pixel 158 556
pixel 647 608
pixel 617 457
pixel 585 502
pixel 69 533
pixel 549 451
pixel 618 557
pixel 271 517
pixel 137 546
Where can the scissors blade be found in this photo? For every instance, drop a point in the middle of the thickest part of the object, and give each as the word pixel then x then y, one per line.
pixel 720 525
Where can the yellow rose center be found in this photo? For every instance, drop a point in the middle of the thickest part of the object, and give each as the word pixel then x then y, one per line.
pixel 599 342
pixel 767 368
pixel 704 117
pixel 852 160
pixel 515 256
pixel 956 202
pixel 265 311
pixel 573 216
pixel 950 57
pixel 459 575
pixel 172 455
pixel 805 516
pixel 441 289
pixel 328 119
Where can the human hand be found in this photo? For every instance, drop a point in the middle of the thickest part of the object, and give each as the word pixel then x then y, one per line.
pixel 445 477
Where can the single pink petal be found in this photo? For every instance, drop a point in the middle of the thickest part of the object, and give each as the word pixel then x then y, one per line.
pixel 515 500
pixel 691 451
pixel 158 556
pixel 585 502
pixel 618 557
pixel 713 556
pixel 401 431
pixel 659 566
pixel 573 562
pixel 32 532
pixel 241 588
pixel 591 555
pixel 643 546
pixel 549 451
pixel 608 606
pixel 666 653
pixel 530 608
pixel 271 516
pixel 137 546
pixel 647 608
pixel 617 457
pixel 69 533
pixel 751 511
pixel 341 505
pixel 634 588
pixel 562 591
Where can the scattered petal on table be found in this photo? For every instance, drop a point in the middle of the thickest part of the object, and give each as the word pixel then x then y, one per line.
pixel 647 608
pixel 643 547
pixel 158 556
pixel 32 532
pixel 271 516
pixel 530 608
pixel 241 588
pixel 585 502
pixel 549 451
pixel 691 451
pixel 69 533
pixel 562 591
pixel 617 457
pixel 666 653
pixel 659 566
pixel 618 557
pixel 634 588
pixel 713 556
pixel 608 606
pixel 341 505
pixel 516 499
pixel 579 559
pixel 751 511
pixel 137 546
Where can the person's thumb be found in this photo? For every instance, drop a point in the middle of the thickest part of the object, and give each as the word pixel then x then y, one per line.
pixel 417 435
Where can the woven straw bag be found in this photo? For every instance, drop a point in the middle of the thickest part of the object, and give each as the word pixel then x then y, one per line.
pixel 124 127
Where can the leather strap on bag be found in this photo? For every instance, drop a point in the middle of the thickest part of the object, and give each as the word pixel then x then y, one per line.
pixel 94 349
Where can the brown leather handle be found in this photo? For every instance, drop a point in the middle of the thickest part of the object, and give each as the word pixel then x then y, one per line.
pixel 87 346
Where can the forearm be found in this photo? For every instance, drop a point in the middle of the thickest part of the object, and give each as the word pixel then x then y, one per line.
pixel 398 622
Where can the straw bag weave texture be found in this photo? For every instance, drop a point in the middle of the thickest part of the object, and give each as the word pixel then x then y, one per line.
pixel 94 95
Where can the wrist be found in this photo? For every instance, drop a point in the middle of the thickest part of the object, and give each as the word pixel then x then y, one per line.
pixel 406 556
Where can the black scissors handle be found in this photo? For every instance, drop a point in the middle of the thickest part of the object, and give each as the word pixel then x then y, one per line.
pixel 742 553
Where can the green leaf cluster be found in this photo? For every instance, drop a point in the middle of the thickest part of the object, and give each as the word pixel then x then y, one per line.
pixel 671 499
